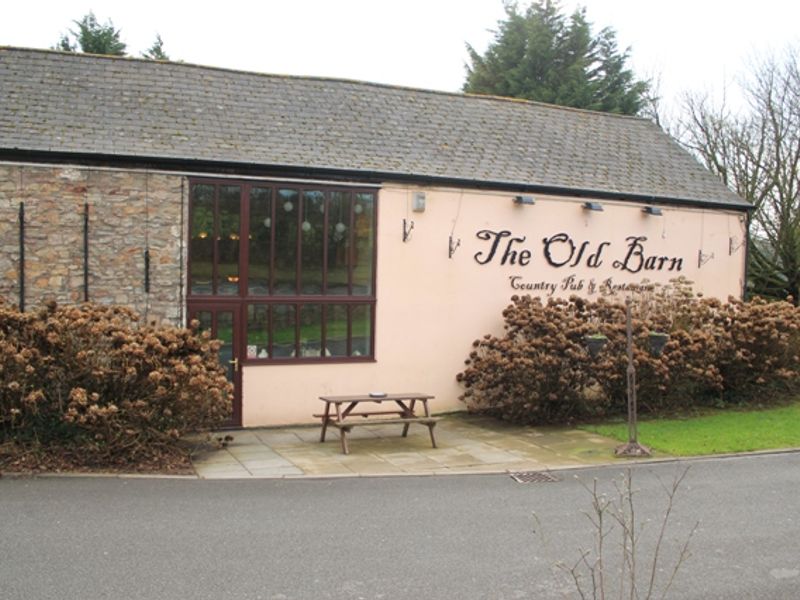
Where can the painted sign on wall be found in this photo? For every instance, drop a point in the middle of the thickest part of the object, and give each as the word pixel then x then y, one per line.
pixel 561 250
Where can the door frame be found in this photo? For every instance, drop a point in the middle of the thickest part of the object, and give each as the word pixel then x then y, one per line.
pixel 235 308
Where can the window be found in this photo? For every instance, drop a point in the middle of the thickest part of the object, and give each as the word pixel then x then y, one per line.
pixel 298 262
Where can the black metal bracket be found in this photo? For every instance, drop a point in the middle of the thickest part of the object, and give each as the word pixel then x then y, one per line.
pixel 22 257
pixel 85 251
pixel 407 227
pixel 147 271
pixel 703 258
pixel 452 247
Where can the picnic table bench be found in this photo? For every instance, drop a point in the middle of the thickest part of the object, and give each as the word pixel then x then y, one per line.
pixel 404 406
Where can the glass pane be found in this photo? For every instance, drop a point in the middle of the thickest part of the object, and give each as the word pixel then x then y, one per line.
pixel 225 334
pixel 257 331
pixel 338 242
pixel 313 240
pixel 201 239
pixel 204 316
pixel 286 219
pixel 336 330
pixel 260 239
pixel 310 330
pixel 364 226
pixel 362 329
pixel 283 330
pixel 228 240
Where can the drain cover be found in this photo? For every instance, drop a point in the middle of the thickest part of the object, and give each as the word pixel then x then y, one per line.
pixel 534 477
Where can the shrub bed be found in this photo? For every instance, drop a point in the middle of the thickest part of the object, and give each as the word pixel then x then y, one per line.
pixel 88 386
pixel 718 353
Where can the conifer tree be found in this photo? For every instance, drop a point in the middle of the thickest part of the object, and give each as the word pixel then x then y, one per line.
pixel 544 56
pixel 92 38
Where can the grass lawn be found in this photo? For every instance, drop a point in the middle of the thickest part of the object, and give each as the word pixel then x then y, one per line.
pixel 715 433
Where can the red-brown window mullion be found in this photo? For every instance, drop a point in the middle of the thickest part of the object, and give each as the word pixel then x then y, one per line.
pixel 374 295
pixel 374 230
pixel 269 330
pixel 298 307
pixel 244 239
pixel 273 194
pixel 326 202
pixel 215 250
pixel 323 346
pixel 298 267
pixel 349 330
pixel 351 249
pixel 372 328
pixel 190 232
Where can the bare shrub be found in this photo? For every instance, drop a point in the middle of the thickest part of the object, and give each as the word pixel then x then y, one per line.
pixel 629 558
pixel 539 370
pixel 90 384
pixel 536 371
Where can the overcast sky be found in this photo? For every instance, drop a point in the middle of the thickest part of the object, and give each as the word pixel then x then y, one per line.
pixel 697 45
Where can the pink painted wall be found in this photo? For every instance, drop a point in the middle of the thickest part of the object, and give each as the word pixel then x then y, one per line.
pixel 431 307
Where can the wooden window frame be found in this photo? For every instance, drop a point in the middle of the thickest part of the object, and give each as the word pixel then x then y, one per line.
pixel 298 299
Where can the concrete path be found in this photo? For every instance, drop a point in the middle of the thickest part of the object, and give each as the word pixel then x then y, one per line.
pixel 466 444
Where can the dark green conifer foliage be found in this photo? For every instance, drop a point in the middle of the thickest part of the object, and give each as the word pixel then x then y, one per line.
pixel 544 56
pixel 92 38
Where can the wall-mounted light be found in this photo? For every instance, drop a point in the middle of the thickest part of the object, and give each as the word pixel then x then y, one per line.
pixel 418 202
pixel 654 211
pixel 593 206
pixel 520 200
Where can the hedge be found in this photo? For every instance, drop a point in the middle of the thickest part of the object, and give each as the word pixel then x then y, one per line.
pixel 717 354
pixel 93 385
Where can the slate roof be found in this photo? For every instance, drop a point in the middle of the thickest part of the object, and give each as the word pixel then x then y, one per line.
pixel 76 103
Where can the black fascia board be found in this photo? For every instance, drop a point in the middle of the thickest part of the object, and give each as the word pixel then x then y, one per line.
pixel 335 174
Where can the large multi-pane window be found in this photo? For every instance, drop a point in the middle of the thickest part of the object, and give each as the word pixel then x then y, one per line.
pixel 296 261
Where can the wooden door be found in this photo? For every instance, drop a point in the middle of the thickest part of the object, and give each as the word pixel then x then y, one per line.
pixel 223 321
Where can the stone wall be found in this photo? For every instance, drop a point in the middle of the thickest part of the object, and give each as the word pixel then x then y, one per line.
pixel 129 211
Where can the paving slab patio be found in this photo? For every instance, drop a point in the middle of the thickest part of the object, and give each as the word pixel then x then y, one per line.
pixel 466 444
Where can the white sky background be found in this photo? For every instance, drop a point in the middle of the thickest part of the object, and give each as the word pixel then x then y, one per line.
pixel 692 45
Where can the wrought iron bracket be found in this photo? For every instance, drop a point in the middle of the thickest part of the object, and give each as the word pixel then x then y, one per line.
pixel 733 246
pixel 452 247
pixel 703 258
pixel 407 227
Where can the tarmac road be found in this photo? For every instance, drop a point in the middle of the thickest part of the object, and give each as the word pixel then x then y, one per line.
pixel 421 538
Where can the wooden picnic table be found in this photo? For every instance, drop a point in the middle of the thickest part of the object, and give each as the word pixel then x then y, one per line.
pixel 340 412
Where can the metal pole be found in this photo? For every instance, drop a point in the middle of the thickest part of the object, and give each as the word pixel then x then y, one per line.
pixel 22 257
pixel 85 251
pixel 633 447
pixel 147 271
pixel 631 375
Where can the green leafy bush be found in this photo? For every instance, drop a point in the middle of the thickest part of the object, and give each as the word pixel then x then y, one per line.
pixel 540 371
pixel 90 385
